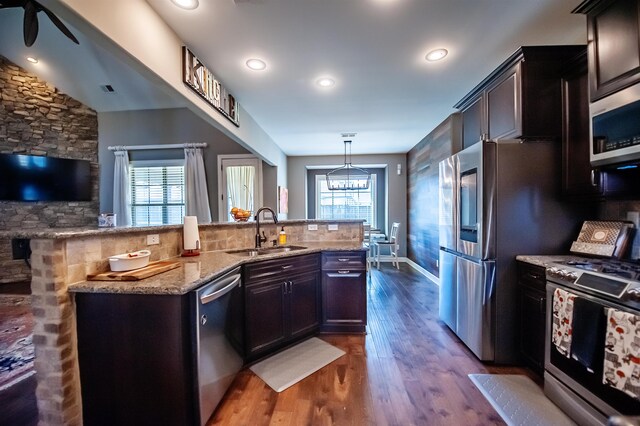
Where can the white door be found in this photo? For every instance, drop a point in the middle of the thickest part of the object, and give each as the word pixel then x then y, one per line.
pixel 239 184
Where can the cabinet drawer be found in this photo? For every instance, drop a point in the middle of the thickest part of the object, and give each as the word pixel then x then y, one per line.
pixel 272 268
pixel 532 275
pixel 343 260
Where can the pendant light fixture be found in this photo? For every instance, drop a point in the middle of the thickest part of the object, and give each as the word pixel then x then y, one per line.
pixel 348 177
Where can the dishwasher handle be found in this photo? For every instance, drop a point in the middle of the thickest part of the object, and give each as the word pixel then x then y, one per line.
pixel 219 289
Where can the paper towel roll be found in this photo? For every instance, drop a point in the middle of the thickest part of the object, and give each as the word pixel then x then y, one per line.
pixel 190 236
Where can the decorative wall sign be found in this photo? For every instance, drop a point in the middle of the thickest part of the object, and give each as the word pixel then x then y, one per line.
pixel 201 80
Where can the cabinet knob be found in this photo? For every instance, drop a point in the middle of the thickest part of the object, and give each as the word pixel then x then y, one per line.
pixel 593 178
pixel 203 319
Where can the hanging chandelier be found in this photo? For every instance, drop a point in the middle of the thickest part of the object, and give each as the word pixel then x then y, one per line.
pixel 348 177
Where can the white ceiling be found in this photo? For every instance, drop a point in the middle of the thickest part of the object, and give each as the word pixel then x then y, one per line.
pixel 80 70
pixel 374 49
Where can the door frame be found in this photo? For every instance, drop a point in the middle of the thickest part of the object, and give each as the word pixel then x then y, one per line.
pixel 238 159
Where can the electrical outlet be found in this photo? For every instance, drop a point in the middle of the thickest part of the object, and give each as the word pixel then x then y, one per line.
pixel 333 227
pixel 313 227
pixel 153 239
pixel 437 263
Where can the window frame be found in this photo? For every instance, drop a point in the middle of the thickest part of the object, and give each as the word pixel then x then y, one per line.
pixel 164 205
pixel 373 191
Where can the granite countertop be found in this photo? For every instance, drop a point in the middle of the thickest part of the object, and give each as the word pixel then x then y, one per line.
pixel 196 271
pixel 62 233
pixel 545 260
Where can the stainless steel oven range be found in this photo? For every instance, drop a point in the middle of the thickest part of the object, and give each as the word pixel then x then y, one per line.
pixel 592 363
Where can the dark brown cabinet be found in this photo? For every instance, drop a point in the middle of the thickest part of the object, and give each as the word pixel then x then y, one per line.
pixel 282 303
pixel 520 99
pixel 579 179
pixel 136 359
pixel 613 31
pixel 344 292
pixel 532 300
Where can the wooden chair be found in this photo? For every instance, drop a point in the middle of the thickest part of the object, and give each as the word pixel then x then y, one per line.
pixel 391 244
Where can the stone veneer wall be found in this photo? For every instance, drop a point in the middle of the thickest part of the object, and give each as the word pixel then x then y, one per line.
pixel 37 119
pixel 58 263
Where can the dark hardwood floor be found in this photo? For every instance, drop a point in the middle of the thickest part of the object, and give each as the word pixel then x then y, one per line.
pixel 409 369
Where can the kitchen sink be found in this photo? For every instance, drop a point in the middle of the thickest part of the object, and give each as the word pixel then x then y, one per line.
pixel 252 252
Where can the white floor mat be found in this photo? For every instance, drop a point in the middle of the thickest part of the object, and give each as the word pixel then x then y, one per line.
pixel 519 401
pixel 294 364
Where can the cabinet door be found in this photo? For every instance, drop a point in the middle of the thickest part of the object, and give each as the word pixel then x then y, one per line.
pixel 614 50
pixel 532 326
pixel 265 316
pixel 472 123
pixel 504 112
pixel 344 301
pixel 304 299
pixel 578 178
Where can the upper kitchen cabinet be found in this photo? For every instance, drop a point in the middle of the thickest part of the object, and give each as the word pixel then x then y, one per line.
pixel 613 31
pixel 579 179
pixel 519 99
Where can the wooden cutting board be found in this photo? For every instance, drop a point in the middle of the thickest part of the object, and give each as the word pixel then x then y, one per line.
pixel 153 268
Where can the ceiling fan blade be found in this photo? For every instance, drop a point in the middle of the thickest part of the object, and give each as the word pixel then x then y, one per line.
pixel 11 3
pixel 30 30
pixel 58 23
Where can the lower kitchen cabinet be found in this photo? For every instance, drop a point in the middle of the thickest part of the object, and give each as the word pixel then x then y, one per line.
pixel 282 303
pixel 344 292
pixel 532 299
pixel 135 356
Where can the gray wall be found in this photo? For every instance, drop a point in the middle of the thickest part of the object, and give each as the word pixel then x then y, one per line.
pixel 395 189
pixel 270 188
pixel 162 126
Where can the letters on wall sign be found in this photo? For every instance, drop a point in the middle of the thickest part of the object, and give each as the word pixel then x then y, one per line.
pixel 201 80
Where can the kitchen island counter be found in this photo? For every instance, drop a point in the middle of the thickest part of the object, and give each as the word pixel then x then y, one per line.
pixel 196 271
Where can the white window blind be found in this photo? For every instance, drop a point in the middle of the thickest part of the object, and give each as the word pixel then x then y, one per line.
pixel 343 204
pixel 157 195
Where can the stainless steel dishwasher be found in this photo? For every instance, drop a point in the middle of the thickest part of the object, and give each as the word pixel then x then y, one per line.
pixel 218 335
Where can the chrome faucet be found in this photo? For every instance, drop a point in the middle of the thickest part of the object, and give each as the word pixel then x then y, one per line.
pixel 263 238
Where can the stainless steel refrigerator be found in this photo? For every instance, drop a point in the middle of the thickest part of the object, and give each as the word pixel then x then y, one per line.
pixel 498 199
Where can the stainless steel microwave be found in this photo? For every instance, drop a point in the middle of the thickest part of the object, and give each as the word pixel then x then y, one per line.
pixel 615 128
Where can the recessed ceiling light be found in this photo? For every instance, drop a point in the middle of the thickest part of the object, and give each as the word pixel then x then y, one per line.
pixel 186 4
pixel 256 64
pixel 325 82
pixel 436 55
pixel 32 59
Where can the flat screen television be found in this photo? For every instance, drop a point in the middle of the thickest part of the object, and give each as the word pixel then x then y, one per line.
pixel 37 178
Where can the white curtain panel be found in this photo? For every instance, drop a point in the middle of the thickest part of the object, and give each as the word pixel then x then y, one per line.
pixel 121 189
pixel 240 184
pixel 196 197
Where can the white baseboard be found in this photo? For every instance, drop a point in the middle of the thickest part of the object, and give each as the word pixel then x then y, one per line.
pixel 414 265
pixel 420 269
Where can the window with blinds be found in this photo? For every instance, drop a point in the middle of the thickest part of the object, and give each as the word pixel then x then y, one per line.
pixel 157 195
pixel 346 204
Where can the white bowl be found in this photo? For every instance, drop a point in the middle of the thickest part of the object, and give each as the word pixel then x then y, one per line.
pixel 129 261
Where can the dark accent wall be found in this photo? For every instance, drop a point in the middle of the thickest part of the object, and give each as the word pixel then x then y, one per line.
pixel 422 191
pixel 37 119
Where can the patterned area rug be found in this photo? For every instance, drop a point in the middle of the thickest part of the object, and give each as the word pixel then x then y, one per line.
pixel 16 333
